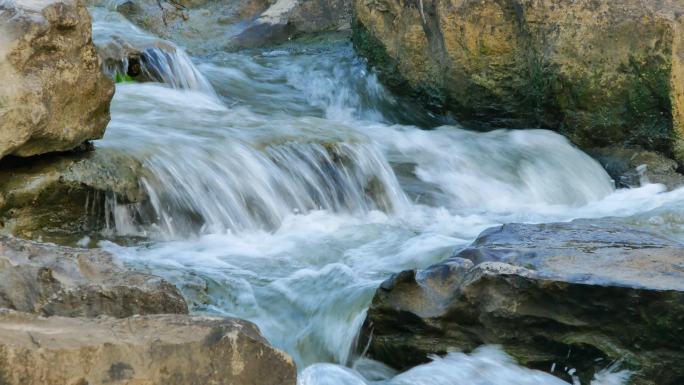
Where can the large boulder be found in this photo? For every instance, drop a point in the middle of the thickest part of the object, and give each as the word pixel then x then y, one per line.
pixel 53 94
pixel 568 298
pixel 600 71
pixel 66 197
pixel 150 350
pixel 52 280
pixel 201 26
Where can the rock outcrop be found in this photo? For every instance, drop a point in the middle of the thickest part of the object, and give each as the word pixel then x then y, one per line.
pixel 285 19
pixel 558 297
pixel 63 198
pixel 53 94
pixel 207 26
pixel 52 280
pixel 601 72
pixel 150 350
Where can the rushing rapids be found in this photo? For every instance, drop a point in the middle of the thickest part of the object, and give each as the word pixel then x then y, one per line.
pixel 285 185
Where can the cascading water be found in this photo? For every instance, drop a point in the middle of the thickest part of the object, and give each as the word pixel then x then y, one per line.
pixel 290 192
pixel 142 56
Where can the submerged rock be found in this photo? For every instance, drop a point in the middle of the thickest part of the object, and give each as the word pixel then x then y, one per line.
pixel 151 350
pixel 601 72
pixel 65 196
pixel 53 94
pixel 568 298
pixel 53 280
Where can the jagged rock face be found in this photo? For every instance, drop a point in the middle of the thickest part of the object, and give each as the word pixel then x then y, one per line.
pixel 63 198
pixel 149 350
pixel 53 280
pixel 557 296
pixel 601 72
pixel 53 94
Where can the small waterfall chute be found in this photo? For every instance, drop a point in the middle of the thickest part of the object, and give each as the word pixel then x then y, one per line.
pixel 243 188
pixel 131 54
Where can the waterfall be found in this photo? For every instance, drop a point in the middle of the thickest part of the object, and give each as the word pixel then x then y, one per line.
pixel 131 54
pixel 243 188
pixel 284 186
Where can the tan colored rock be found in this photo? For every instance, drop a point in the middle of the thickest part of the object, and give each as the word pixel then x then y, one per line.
pixel 602 72
pixel 53 94
pixel 53 280
pixel 62 198
pixel 141 350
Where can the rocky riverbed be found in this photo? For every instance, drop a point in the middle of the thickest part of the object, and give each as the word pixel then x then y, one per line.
pixel 341 192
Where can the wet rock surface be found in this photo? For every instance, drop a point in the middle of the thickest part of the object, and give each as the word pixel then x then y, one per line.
pixel 154 350
pixel 285 19
pixel 64 196
pixel 53 95
pixel 208 26
pixel 601 72
pixel 633 168
pixel 49 280
pixel 123 60
pixel 583 295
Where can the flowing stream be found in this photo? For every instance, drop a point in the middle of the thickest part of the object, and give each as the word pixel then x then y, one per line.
pixel 286 184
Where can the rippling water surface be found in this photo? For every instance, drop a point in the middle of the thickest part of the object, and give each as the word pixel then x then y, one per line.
pixel 287 184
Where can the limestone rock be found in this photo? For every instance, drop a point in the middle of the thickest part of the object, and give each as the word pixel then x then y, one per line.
pixel 65 196
pixel 207 26
pixel 560 296
pixel 288 18
pixel 199 26
pixel 149 350
pixel 53 280
pixel 602 72
pixel 53 94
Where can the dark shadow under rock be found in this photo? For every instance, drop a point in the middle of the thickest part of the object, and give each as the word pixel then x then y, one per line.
pixel 63 197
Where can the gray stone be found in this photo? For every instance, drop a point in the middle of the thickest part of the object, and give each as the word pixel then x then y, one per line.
pixel 52 280
pixel 150 350
pixel 580 295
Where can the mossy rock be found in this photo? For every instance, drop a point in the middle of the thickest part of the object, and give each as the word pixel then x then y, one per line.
pixel 600 72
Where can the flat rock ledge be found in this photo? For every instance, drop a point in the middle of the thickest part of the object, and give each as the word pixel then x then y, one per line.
pixel 141 350
pixel 73 316
pixel 584 295
pixel 48 280
pixel 62 198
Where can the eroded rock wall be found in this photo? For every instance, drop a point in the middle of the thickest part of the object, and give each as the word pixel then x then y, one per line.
pixel 601 72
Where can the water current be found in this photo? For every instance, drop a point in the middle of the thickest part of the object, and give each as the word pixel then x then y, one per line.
pixel 287 183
